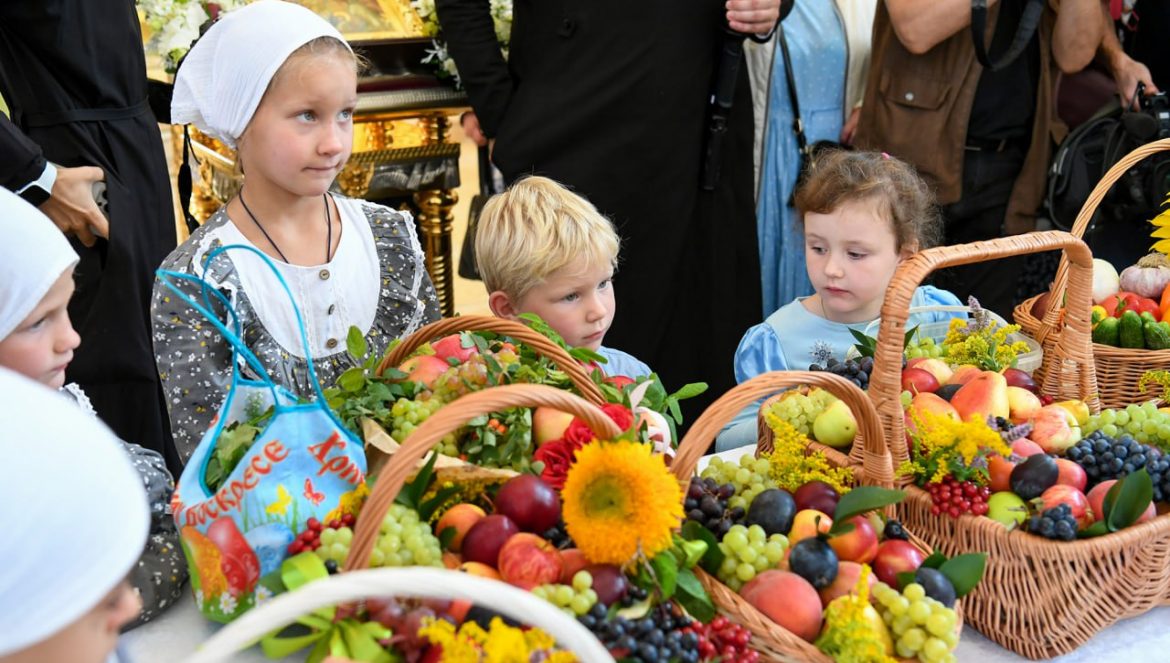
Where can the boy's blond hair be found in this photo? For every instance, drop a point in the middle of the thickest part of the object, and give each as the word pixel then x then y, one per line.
pixel 535 229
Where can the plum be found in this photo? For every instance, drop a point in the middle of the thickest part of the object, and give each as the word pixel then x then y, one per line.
pixel 773 510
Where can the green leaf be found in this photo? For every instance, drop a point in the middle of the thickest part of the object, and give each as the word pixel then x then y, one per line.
pixel 412 491
pixel 355 343
pixel 713 558
pixel 909 336
pixel 904 578
pixel 692 597
pixel 675 411
pixel 447 536
pixel 1098 528
pixel 862 499
pixel 935 560
pixel 1134 494
pixel 352 379
pixel 689 390
pixel 666 570
pixel 964 571
pixel 428 506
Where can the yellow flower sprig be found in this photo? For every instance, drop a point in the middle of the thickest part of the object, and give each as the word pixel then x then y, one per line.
pixel 983 345
pixel 499 644
pixel 944 446
pixel 792 464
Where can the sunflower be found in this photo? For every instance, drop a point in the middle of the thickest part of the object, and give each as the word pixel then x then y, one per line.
pixel 618 497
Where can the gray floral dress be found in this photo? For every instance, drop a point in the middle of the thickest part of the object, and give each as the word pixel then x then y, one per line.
pixel 193 358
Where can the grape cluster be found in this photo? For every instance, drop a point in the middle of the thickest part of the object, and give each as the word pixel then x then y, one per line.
pixel 707 504
pixel 856 371
pixel 748 477
pixel 1104 458
pixel 1159 468
pixel 559 536
pixel 1055 523
pixel 922 627
pixel 954 497
pixel 633 595
pixel 574 600
pixel 334 544
pixel 748 551
pixel 922 347
pixel 658 637
pixel 405 541
pixel 407 414
pixel 467 376
pixel 1144 422
pixel 801 409
pixel 313 537
pixel 722 639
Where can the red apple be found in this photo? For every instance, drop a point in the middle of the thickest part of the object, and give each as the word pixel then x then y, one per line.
pixel 485 538
pixel 1017 378
pixel 424 368
pixel 1071 474
pixel 917 380
pixel 895 556
pixel 1024 447
pixel 859 544
pixel 452 347
pixel 526 561
pixel 461 518
pixel 1075 499
pixel 1096 499
pixel 530 502
pixel 619 381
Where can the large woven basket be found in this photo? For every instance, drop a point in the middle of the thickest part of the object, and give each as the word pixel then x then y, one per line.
pixel 872 468
pixel 1118 369
pixel 515 330
pixel 1039 598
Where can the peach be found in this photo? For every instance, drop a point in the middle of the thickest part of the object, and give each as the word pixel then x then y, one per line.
pixel 805 524
pixel 527 560
pixel 999 470
pixel 460 518
pixel 549 424
pixel 1025 447
pixel 424 368
pixel 788 600
pixel 451 560
pixel 574 561
pixel 984 395
pixel 478 569
pixel 1022 404
pixel 847 575
pixel 859 544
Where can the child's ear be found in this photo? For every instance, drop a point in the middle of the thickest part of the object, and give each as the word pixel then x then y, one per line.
pixel 908 249
pixel 502 305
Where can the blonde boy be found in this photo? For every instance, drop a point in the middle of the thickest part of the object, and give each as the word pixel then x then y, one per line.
pixel 543 249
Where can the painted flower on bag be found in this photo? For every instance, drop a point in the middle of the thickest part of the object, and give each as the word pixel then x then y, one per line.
pixel 262 594
pixel 227 603
pixel 199 599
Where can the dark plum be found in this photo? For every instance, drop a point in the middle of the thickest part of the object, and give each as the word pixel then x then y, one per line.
pixel 773 510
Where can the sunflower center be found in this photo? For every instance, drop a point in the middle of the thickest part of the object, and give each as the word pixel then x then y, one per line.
pixel 607 496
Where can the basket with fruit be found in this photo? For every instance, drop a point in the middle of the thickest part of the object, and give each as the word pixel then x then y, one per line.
pixel 997 470
pixel 792 545
pixel 1129 336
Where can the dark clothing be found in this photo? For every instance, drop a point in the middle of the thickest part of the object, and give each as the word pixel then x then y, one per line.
pixel 1148 43
pixel 610 98
pixel 73 74
pixel 1005 100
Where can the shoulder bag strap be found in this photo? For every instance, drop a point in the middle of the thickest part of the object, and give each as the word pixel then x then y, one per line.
pixel 1029 21
pixel 790 79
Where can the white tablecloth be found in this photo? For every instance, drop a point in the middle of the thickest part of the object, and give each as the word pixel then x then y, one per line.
pixel 1143 639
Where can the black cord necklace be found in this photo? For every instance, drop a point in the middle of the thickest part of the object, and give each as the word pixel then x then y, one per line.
pixel 328 228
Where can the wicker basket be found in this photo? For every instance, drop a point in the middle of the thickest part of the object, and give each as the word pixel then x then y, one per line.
pixel 768 637
pixel 417 582
pixel 1039 598
pixel 1118 369
pixel 517 331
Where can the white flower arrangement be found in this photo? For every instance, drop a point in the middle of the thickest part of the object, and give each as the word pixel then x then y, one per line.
pixel 175 25
pixel 438 56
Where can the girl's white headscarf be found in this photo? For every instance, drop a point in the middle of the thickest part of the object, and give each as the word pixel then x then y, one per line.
pixel 33 255
pixel 220 82
pixel 72 510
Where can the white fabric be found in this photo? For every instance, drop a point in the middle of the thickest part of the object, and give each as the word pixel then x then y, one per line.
pixel 221 81
pixel 352 288
pixel 33 255
pixel 72 509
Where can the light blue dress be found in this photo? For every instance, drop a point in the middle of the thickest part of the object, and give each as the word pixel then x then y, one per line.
pixel 816 41
pixel 785 342
pixel 622 363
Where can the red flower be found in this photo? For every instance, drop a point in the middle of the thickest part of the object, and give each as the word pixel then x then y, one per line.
pixel 557 457
pixel 620 414
pixel 578 434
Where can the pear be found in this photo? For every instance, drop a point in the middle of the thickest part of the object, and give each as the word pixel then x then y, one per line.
pixel 835 426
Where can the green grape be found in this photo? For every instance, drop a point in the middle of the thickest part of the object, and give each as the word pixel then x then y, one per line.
pixel 919 612
pixel 580 604
pixel 562 594
pixel 898 606
pixel 582 581
pixel 934 649
pixel 914 592
pixel 938 624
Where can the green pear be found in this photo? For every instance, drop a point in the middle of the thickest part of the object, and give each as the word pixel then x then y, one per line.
pixel 835 426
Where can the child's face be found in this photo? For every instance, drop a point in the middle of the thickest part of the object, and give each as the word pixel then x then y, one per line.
pixel 92 637
pixel 42 344
pixel 302 133
pixel 851 254
pixel 577 302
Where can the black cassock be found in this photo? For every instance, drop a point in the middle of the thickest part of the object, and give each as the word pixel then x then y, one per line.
pixel 74 76
pixel 610 98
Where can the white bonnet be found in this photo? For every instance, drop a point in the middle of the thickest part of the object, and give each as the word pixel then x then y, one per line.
pixel 221 81
pixel 33 256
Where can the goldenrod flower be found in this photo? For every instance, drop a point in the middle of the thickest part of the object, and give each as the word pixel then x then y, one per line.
pixel 500 644
pixel 620 498
pixel 793 465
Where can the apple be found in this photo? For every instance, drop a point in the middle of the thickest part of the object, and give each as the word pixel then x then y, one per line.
pixel 483 541
pixel 895 556
pixel 451 347
pixel 424 368
pixel 848 574
pixel 527 561
pixel 1096 499
pixel 461 518
pixel 836 425
pixel 1022 404
pixel 859 544
pixel 936 367
pixel 917 381
pixel 1055 429
pixel 480 569
pixel 1071 474
pixel 1024 447
pixel 619 381
pixel 816 495
pixel 1007 508
pixel 609 582
pixel 1075 499
pixel 1022 379
pixel 530 502
pixel 788 600
pixel 964 374
pixel 549 424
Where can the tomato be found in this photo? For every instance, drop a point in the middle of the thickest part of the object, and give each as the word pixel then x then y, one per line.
pixel 1164 305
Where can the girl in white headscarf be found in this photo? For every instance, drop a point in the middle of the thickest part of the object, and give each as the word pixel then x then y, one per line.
pixel 37 340
pixel 279 83
pixel 75 519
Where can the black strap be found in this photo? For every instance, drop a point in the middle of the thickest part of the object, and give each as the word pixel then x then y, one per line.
pixel 1029 21
pixel 71 115
pixel 186 183
pixel 797 122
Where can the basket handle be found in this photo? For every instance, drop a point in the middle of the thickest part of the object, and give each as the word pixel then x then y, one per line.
pixel 521 332
pixel 1072 353
pixel 443 421
pixel 418 582
pixel 1049 322
pixel 878 469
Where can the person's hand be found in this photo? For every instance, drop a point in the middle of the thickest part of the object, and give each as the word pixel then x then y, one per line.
pixel 752 17
pixel 470 123
pixel 850 129
pixel 1127 73
pixel 71 206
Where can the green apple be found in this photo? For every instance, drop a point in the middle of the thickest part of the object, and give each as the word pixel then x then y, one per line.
pixel 835 426
pixel 1007 508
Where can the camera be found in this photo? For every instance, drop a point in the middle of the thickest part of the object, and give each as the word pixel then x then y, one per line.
pixel 1157 106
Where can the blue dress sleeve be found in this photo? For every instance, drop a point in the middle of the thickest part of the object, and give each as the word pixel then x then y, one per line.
pixel 622 363
pixel 759 352
pixel 929 295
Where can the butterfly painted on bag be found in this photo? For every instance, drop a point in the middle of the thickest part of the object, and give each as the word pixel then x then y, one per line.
pixel 280 506
pixel 312 495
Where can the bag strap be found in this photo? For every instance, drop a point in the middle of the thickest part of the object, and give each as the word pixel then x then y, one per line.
pixel 1029 21
pixel 790 79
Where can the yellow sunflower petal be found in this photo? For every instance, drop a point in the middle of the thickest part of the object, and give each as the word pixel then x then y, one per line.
pixel 1162 246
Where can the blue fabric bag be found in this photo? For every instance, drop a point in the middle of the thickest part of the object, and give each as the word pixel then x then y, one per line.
pixel 304 464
